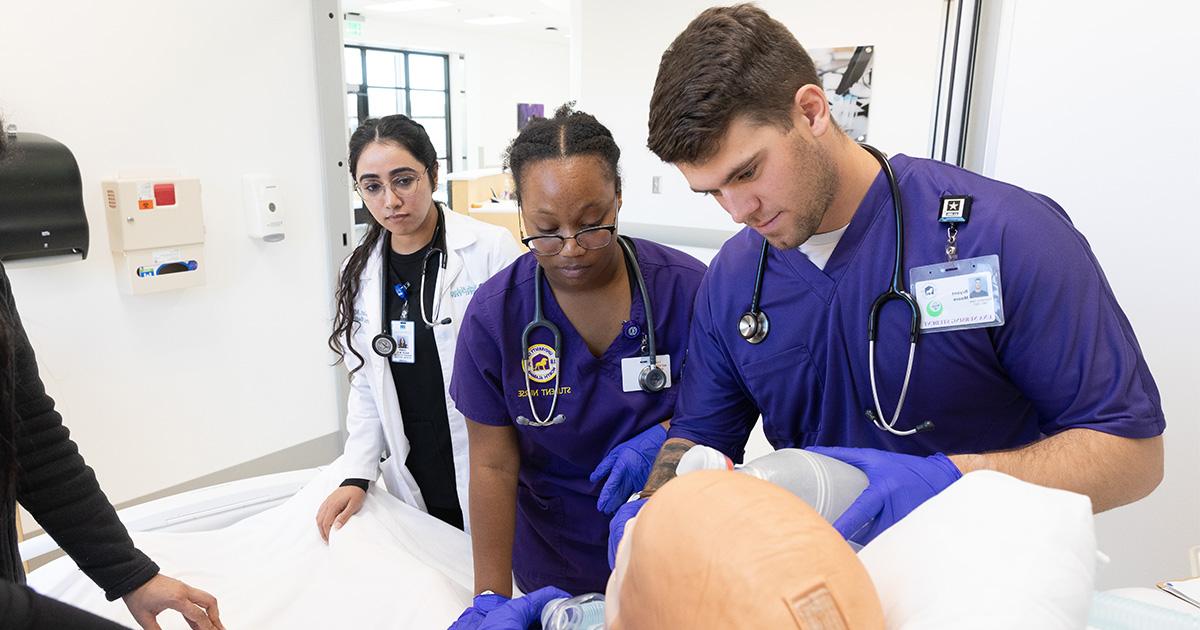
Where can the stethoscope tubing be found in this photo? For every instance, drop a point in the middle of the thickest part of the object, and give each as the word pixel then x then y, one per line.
pixel 386 324
pixel 539 321
pixel 896 291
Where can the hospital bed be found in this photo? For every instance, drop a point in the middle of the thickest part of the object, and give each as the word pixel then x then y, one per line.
pixel 253 543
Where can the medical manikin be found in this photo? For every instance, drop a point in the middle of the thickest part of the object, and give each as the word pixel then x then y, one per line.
pixel 826 487
pixel 769 560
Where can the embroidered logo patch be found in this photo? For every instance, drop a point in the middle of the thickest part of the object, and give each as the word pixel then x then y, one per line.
pixel 541 363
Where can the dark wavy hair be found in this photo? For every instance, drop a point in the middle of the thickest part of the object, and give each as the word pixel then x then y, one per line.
pixel 411 136
pixel 568 133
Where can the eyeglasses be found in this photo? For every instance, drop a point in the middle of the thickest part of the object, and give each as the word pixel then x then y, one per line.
pixel 403 185
pixel 597 237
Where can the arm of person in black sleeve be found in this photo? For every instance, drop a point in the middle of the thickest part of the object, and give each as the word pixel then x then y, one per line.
pixel 60 490
pixel 62 494
pixel 23 609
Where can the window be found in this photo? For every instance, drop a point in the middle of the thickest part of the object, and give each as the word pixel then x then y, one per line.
pixel 380 82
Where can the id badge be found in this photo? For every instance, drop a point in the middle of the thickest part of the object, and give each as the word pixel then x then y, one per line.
pixel 405 334
pixel 631 367
pixel 959 295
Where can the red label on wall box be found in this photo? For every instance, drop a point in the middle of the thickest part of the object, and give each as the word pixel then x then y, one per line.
pixel 164 194
pixel 145 204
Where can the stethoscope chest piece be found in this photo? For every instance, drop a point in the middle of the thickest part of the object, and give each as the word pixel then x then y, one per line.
pixel 652 379
pixel 383 345
pixel 754 326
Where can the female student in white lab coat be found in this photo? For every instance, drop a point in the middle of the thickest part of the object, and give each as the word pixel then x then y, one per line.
pixel 400 300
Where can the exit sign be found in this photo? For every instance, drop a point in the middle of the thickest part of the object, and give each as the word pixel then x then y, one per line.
pixel 354 26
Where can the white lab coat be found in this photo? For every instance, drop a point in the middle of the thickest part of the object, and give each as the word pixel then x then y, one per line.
pixel 475 251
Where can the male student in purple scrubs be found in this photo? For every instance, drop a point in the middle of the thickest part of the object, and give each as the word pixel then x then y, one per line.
pixel 1040 377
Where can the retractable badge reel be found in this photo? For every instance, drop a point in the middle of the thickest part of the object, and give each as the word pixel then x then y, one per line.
pixel 954 211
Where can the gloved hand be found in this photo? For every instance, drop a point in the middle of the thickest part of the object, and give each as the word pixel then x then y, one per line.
pixel 627 466
pixel 897 484
pixel 474 615
pixel 616 527
pixel 522 612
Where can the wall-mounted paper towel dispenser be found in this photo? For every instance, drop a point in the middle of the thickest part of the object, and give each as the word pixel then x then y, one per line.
pixel 41 200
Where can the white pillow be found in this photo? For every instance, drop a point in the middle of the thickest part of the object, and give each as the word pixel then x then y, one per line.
pixel 990 551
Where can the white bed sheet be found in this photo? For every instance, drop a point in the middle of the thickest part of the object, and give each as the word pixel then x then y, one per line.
pixel 391 566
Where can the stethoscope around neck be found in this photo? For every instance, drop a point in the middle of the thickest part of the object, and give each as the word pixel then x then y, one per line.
pixel 651 378
pixel 384 343
pixel 754 325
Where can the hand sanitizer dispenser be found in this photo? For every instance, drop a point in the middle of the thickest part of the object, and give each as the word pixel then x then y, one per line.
pixel 264 211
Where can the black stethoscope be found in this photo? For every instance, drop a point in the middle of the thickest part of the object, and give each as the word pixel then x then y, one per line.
pixel 384 343
pixel 651 379
pixel 754 325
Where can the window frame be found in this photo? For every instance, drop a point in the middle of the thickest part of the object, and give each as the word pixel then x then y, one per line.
pixel 362 111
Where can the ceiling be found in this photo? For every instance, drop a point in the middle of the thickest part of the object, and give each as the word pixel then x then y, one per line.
pixel 535 15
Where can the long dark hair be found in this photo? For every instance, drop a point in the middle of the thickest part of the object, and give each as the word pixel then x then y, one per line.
pixel 410 135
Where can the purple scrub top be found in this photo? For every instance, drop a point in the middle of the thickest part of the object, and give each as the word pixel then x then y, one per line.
pixel 561 538
pixel 1066 356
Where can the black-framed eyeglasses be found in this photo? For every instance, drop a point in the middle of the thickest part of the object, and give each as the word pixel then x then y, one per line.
pixel 402 185
pixel 597 237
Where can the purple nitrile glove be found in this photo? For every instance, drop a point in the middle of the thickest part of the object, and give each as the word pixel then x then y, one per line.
pixel 477 611
pixel 523 612
pixel 616 527
pixel 897 484
pixel 627 466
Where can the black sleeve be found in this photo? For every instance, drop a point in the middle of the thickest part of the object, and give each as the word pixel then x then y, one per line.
pixel 23 609
pixel 357 483
pixel 59 489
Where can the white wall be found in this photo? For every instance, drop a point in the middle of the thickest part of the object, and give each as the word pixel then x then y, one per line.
pixel 1095 107
pixel 499 72
pixel 160 389
pixel 622 41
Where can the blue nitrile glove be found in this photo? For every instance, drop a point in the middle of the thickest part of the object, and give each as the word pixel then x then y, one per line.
pixel 897 484
pixel 477 611
pixel 627 466
pixel 616 527
pixel 522 612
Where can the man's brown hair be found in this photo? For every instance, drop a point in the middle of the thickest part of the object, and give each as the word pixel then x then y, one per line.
pixel 729 62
